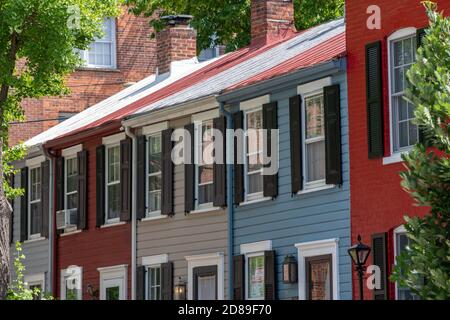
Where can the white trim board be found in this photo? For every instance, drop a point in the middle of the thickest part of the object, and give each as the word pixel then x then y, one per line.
pixel 155 260
pixel 205 116
pixel 260 246
pixel 116 138
pixel 72 151
pixel 204 260
pixel 313 86
pixel 254 103
pixel 155 128
pixel 34 162
pixel 318 248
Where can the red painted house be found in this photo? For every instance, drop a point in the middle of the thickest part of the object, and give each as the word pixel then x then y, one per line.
pixel 382 38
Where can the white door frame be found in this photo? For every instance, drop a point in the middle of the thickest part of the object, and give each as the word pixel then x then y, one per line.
pixel 119 273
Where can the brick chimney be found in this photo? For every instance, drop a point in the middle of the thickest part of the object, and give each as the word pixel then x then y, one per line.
pixel 271 20
pixel 177 41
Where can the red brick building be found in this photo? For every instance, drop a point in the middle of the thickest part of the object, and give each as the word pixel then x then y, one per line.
pixel 381 126
pixel 126 54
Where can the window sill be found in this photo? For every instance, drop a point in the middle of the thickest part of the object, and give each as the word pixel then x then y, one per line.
pixel 70 233
pixel 37 239
pixel 112 224
pixel 316 189
pixel 203 210
pixel 249 202
pixel 159 217
pixel 99 69
pixel 394 158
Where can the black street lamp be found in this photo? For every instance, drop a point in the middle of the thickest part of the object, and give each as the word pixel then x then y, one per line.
pixel 359 254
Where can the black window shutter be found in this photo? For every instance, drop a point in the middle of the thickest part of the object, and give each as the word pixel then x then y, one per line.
pixel 333 162
pixel 125 179
pixel 189 173
pixel 24 205
pixel 238 181
pixel 141 206
pixel 239 277
pixel 82 189
pixel 167 173
pixel 295 119
pixel 59 171
pixel 270 122
pixel 167 281
pixel 374 97
pixel 11 220
pixel 379 258
pixel 100 185
pixel 140 283
pixel 220 170
pixel 422 135
pixel 269 275
pixel 45 201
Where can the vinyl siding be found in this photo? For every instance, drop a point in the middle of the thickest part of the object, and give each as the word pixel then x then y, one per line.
pixel 183 235
pixel 289 220
pixel 36 252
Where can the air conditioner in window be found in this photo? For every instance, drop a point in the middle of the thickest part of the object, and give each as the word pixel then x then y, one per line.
pixel 66 219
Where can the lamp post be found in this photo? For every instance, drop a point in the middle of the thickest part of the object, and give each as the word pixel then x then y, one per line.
pixel 359 254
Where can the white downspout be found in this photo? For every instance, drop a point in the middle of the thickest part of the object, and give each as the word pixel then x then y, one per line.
pixel 50 222
pixel 133 211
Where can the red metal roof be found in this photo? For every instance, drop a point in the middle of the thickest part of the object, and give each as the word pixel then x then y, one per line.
pixel 324 52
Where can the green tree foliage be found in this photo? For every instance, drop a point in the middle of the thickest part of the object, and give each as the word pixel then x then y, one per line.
pixel 229 20
pixel 425 265
pixel 38 42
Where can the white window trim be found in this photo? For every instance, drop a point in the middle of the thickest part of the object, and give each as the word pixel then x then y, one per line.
pixel 397 231
pixel 152 262
pixel 85 53
pixel 34 162
pixel 36 236
pixel 111 273
pixel 114 139
pixel 151 214
pixel 108 221
pixel 306 91
pixel 395 157
pixel 313 249
pixel 72 151
pixel 207 117
pixel 204 260
pixel 78 272
pixel 254 103
pixel 67 194
pixel 35 279
pixel 250 250
pixel 155 128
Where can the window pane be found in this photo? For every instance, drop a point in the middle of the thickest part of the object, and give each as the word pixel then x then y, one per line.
pixel 113 201
pixel 154 283
pixel 320 280
pixel 402 243
pixel 35 181
pixel 205 174
pixel 112 293
pixel 72 291
pixel 398 54
pixel 206 288
pixel 314 117
pixel 315 153
pixel 413 133
pixel 114 164
pixel 155 201
pixel 155 183
pixel 72 201
pixel 256 277
pixel 399 78
pixel 255 183
pixel 205 193
pixel 403 134
pixel 254 162
pixel 154 154
pixel 35 226
pixel 72 175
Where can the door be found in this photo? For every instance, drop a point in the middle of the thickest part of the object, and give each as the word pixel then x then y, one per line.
pixel 113 289
pixel 319 278
pixel 205 283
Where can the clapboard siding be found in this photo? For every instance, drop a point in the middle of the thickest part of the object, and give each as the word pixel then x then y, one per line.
pixel 36 252
pixel 183 235
pixel 302 218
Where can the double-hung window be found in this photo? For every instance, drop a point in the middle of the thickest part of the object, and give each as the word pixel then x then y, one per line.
pixel 71 284
pixel 154 175
pixel 34 227
pixel 154 282
pixel 112 183
pixel 404 133
pixel 255 277
pixel 314 140
pixel 71 181
pixel 102 52
pixel 401 242
pixel 204 167
pixel 254 154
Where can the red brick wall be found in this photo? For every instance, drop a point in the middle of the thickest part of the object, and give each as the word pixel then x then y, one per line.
pixel 94 248
pixel 378 203
pixel 136 59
